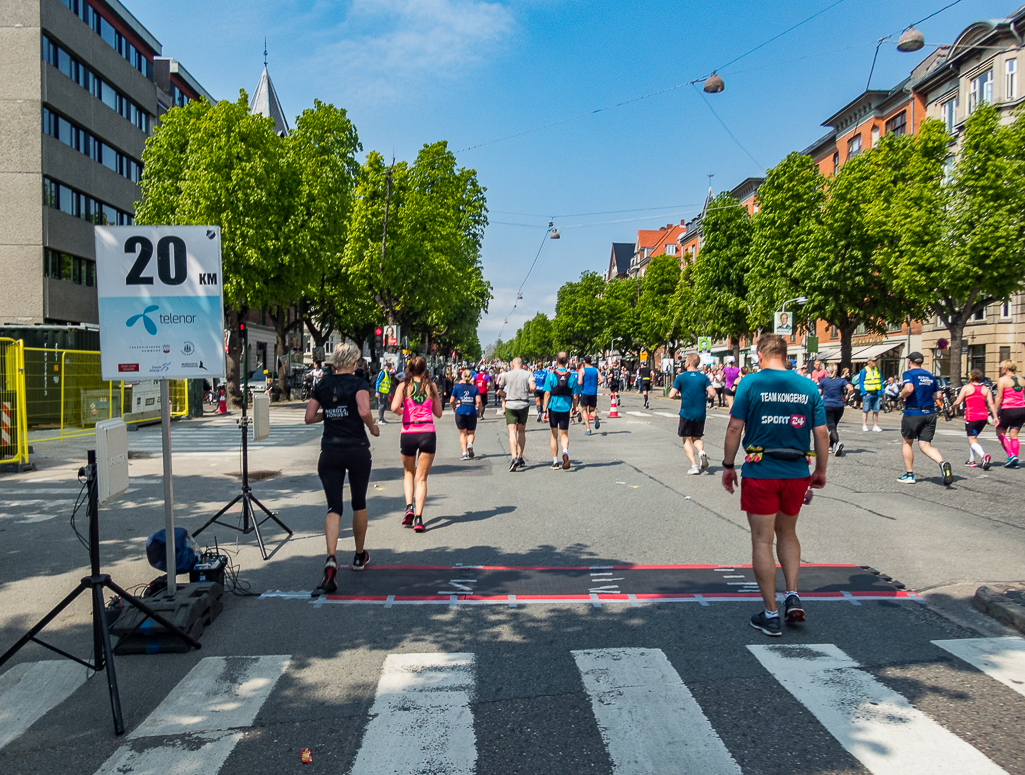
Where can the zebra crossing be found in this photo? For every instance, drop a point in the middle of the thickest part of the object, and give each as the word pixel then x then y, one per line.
pixel 423 717
pixel 213 438
pixel 40 500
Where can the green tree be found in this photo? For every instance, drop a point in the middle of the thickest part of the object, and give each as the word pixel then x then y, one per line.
pixel 580 323
pixel 721 271
pixel 658 311
pixel 621 324
pixel 218 165
pixel 959 246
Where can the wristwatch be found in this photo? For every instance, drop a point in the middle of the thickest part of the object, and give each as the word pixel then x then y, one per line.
pixel 728 465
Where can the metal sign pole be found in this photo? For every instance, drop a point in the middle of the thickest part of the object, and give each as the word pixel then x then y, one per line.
pixel 165 437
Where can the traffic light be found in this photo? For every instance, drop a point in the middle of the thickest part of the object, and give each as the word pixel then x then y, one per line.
pixel 378 338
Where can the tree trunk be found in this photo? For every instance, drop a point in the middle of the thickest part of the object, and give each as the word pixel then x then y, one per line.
pixel 846 345
pixel 955 326
pixel 282 327
pixel 735 349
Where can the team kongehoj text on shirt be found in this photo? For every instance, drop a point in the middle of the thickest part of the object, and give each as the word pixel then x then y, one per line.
pixel 779 409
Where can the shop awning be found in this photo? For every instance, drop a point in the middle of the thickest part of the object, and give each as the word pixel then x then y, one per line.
pixel 827 355
pixel 874 351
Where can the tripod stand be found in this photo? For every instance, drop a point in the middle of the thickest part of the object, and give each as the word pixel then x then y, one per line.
pixel 94 585
pixel 250 523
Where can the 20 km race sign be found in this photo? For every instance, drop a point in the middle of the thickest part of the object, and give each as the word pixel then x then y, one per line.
pixel 161 307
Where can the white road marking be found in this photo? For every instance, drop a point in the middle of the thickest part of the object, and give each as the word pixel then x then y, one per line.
pixel 219 693
pixel 37 501
pixel 639 414
pixel 875 724
pixel 999 658
pixel 29 690
pixel 646 715
pixel 209 709
pixel 667 414
pixel 421 719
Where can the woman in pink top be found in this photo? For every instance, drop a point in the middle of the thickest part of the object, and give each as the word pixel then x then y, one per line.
pixel 418 402
pixel 978 407
pixel 1010 403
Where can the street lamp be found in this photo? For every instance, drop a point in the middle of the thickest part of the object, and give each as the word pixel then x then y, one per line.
pixel 713 84
pixel 910 40
pixel 801 300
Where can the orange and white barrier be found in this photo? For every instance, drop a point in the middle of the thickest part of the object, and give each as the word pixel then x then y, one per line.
pixel 613 410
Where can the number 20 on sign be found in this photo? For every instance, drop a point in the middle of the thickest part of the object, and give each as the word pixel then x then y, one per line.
pixel 160 302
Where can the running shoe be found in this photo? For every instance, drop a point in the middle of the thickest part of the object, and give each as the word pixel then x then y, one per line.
pixel 330 569
pixel 987 461
pixel 1012 462
pixel 770 625
pixel 465 456
pixel 360 560
pixel 838 449
pixel 587 432
pixel 407 520
pixel 514 464
pixel 522 463
pixel 877 429
pixel 694 470
pixel 793 611
pixel 908 478
pixel 948 473
pixel 469 451
pixel 703 460
pixel 597 422
pixel 864 429
pixel 556 465
pixel 565 461
pixel 418 524
pixel 971 464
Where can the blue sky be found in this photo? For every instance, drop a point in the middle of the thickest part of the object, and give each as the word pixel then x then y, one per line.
pixel 471 71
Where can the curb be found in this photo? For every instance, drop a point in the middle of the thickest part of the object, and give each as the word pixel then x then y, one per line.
pixel 994 603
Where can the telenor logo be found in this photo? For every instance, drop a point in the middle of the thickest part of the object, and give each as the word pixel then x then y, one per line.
pixel 151 327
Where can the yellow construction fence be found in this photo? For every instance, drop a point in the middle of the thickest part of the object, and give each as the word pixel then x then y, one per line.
pixel 13 424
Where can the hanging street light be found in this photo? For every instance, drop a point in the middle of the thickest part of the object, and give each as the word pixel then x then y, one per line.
pixel 555 234
pixel 713 84
pixel 910 40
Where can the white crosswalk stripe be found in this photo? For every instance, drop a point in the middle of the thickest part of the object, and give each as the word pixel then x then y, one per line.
pixel 648 718
pixel 999 658
pixel 220 438
pixel 421 719
pixel 29 690
pixel 667 414
pixel 640 414
pixel 875 724
pixel 209 709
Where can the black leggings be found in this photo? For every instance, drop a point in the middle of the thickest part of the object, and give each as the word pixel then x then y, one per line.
pixel 833 415
pixel 331 468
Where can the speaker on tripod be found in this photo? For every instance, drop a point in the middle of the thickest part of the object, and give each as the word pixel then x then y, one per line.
pixel 250 521
pixel 94 584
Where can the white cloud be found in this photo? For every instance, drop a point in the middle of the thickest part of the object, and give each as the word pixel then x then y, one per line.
pixel 387 48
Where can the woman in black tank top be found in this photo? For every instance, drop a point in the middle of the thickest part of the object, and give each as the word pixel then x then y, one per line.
pixel 342 402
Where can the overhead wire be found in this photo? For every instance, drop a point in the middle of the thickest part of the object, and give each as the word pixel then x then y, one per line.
pixel 732 136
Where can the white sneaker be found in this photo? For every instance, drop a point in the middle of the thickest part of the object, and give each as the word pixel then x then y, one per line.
pixel 864 429
pixel 694 470
pixel 703 460
pixel 877 429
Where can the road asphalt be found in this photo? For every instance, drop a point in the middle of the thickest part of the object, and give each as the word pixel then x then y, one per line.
pixel 522 668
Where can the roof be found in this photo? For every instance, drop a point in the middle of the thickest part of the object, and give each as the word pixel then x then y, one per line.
pixel 622 252
pixel 135 25
pixel 175 68
pixel 265 103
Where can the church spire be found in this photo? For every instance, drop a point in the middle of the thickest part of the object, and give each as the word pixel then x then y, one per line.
pixel 265 99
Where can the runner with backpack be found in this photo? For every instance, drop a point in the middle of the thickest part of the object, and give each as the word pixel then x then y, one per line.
pixel 558 402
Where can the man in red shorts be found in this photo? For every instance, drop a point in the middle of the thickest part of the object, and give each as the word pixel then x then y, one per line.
pixel 778 413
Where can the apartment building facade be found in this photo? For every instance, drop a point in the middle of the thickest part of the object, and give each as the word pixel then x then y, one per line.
pixel 84 85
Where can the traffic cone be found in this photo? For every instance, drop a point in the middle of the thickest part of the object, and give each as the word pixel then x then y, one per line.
pixel 222 405
pixel 613 410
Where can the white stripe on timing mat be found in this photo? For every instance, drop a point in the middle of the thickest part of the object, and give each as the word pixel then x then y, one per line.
pixel 875 724
pixel 210 707
pixel 421 719
pixel 648 718
pixel 999 658
pixel 29 690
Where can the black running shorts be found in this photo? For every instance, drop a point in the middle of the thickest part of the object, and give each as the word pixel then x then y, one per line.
pixel 1012 418
pixel 974 427
pixel 333 464
pixel 411 443
pixel 588 401
pixel 645 385
pixel 918 426
pixel 695 429
pixel 558 420
pixel 466 422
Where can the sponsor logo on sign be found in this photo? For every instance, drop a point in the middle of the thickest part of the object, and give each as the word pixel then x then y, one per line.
pixel 161 368
pixel 128 367
pixel 188 348
pixel 149 325
pixel 797 420
pixel 166 348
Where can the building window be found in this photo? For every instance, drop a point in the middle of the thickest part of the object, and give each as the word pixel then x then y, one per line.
pixel 61 266
pixel 861 330
pixel 893 326
pixel 977 357
pixel 98 24
pixel 79 205
pixel 671 249
pixel 978 317
pixel 82 141
pixel 834 332
pixel 1005 353
pixel 836 161
pixel 1005 309
pixel 981 91
pixel 898 125
pixel 1011 79
pixel 854 146
pixel 949 111
pixel 875 136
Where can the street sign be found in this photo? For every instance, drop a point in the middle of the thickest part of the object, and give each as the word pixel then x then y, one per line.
pixel 160 302
pixel 811 344
pixel 784 325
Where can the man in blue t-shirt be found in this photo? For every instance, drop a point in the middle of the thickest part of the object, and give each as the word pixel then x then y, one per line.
pixel 466 402
pixel 695 391
pixel 560 385
pixel 920 392
pixel 588 398
pixel 540 375
pixel 778 412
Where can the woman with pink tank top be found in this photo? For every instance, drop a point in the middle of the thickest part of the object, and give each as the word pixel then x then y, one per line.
pixel 418 402
pixel 1010 404
pixel 978 408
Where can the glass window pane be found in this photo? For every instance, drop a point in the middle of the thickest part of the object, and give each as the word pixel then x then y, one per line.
pixel 65 266
pixel 90 273
pixel 107 32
